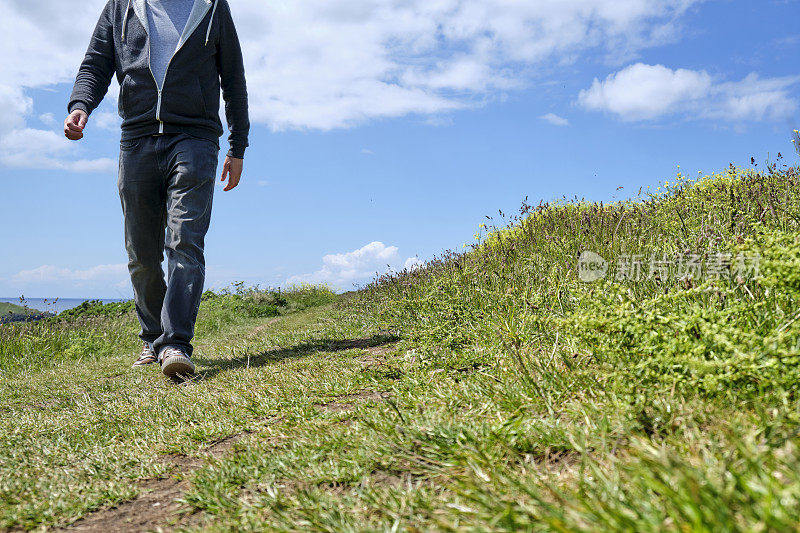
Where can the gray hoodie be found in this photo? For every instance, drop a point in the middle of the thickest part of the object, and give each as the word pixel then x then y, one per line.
pixel 208 58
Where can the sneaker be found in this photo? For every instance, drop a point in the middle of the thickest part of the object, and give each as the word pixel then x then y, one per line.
pixel 147 357
pixel 175 362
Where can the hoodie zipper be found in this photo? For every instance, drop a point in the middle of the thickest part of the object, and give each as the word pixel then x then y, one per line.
pixel 163 82
pixel 150 68
pixel 160 88
pixel 158 100
pixel 211 21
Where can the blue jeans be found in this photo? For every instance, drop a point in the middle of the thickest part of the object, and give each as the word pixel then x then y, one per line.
pixel 166 185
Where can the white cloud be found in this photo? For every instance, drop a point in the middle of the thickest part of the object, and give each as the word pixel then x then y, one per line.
pixel 15 105
pixel 756 99
pixel 438 121
pixel 331 63
pixel 42 149
pixel 641 92
pixel 646 92
pixel 326 64
pixel 48 119
pixel 100 280
pixel 106 120
pixel 27 147
pixel 555 120
pixel 48 39
pixel 343 270
pixel 413 263
pixel 49 273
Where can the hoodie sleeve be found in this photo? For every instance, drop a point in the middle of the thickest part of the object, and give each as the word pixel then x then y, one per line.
pixel 234 88
pixel 94 75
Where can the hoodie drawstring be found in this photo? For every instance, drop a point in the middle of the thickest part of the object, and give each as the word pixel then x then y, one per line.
pixel 210 21
pixel 125 20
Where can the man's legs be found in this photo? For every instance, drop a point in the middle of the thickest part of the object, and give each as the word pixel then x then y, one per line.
pixel 190 165
pixel 142 191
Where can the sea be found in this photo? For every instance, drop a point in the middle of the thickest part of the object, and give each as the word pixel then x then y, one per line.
pixel 57 305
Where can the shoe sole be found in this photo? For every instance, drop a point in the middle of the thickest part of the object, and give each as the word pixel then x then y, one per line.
pixel 177 366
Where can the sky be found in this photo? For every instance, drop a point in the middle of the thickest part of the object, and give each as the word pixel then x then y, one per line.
pixel 384 131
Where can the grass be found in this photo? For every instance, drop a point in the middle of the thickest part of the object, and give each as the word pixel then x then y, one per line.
pixel 490 390
pixel 6 308
pixel 96 308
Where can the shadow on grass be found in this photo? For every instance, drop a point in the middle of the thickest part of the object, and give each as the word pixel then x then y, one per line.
pixel 215 366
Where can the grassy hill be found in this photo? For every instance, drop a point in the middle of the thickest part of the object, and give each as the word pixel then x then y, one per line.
pixel 491 390
pixel 6 308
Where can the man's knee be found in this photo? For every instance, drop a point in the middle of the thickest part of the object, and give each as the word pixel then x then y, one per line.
pixel 139 269
pixel 190 254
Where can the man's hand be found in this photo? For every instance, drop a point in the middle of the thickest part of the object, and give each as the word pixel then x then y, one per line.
pixel 74 124
pixel 232 171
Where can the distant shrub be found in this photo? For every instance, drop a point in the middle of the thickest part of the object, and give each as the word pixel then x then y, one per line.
pixel 305 295
pixel 96 308
pixel 259 302
pixel 94 329
pixel 33 345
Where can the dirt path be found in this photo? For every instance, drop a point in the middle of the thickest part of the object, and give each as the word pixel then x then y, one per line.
pixel 264 326
pixel 158 507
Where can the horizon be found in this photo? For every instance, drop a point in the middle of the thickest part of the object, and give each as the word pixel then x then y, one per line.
pixel 3 298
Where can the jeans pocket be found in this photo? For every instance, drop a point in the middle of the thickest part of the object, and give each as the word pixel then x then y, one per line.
pixel 130 144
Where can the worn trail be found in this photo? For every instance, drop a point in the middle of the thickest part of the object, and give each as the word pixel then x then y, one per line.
pixel 159 506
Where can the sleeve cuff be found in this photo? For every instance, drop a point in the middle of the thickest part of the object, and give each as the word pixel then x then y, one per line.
pixel 78 105
pixel 236 152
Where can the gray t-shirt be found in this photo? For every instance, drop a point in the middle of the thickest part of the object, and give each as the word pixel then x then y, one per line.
pixel 167 20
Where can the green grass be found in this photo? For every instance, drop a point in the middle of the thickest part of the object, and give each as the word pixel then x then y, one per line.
pixel 96 308
pixel 486 391
pixel 6 308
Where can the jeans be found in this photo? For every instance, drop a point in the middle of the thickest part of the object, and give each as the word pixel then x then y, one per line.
pixel 166 185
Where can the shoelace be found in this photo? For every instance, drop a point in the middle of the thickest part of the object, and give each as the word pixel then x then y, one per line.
pixel 147 356
pixel 172 352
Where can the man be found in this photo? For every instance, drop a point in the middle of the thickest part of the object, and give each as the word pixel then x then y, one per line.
pixel 171 58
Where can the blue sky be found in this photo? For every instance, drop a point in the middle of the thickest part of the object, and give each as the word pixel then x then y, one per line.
pixel 385 131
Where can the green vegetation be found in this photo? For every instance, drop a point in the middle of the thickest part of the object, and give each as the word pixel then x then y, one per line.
pixel 676 397
pixel 491 390
pixel 6 308
pixel 96 308
pixel 96 330
pixel 255 302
